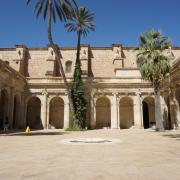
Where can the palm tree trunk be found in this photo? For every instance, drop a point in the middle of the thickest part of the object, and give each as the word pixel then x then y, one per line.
pixel 57 53
pixel 58 59
pixel 78 47
pixel 158 116
pixel 49 23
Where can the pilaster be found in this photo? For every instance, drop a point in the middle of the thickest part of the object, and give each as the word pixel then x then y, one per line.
pixel 44 108
pixel 51 63
pixel 66 112
pixel 93 112
pixel 48 112
pixel 175 110
pixel 114 112
pixel 11 106
pixel 138 114
pixel 84 56
pixel 164 112
pixel 22 53
pixel 22 114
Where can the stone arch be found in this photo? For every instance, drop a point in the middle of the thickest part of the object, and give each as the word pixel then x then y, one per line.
pixel 56 117
pixel 33 115
pixel 4 103
pixel 68 67
pixel 148 112
pixel 16 111
pixel 126 113
pixel 103 112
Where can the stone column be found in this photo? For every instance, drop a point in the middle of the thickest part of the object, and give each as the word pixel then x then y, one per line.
pixel 48 113
pixel 66 112
pixel 25 109
pixel 138 114
pixel 164 113
pixel 44 108
pixel 11 107
pixel 93 112
pixel 114 112
pixel 118 112
pixel 22 113
pixel 175 110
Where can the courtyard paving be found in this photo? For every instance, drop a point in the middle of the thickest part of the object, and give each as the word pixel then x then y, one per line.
pixel 141 154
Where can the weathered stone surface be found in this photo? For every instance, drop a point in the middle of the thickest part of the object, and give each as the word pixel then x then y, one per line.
pixel 142 154
pixel 109 72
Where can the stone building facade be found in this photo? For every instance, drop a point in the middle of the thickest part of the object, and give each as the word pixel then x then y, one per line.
pixel 32 91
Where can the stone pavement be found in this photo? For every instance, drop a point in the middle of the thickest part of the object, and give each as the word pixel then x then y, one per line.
pixel 142 154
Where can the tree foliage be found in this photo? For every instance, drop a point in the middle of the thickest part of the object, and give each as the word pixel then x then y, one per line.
pixel 81 22
pixel 154 65
pixel 51 10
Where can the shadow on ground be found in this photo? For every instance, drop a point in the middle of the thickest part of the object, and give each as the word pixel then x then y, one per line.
pixel 34 133
pixel 174 136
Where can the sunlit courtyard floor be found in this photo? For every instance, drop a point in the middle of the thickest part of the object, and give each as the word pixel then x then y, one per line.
pixel 140 154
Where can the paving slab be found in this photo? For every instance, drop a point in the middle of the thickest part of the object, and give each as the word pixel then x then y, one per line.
pixel 142 154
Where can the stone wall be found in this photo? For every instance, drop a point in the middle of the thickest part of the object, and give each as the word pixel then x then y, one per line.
pixel 108 72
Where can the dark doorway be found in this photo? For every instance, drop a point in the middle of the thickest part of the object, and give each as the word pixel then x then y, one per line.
pixel 145 115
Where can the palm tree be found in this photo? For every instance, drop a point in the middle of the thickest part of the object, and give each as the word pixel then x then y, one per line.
pixel 51 10
pixel 154 65
pixel 81 22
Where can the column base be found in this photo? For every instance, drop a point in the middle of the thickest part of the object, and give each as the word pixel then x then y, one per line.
pixel 137 127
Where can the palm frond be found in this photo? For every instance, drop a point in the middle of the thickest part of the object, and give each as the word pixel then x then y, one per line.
pixel 82 21
pixel 150 53
pixel 59 8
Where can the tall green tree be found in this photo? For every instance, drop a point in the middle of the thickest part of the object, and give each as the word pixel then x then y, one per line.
pixel 51 10
pixel 154 65
pixel 82 22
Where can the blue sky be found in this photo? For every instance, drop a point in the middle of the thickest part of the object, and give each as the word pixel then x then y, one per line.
pixel 117 21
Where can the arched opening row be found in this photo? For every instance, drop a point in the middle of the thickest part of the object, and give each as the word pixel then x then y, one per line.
pixel 5 104
pixel 56 114
pixel 126 113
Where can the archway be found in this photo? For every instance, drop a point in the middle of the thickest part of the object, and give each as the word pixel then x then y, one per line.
pixel 103 113
pixel 126 113
pixel 33 116
pixel 148 112
pixel 16 112
pixel 4 101
pixel 56 118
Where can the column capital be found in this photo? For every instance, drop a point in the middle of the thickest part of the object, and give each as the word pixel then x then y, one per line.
pixel 44 92
pixel 114 93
